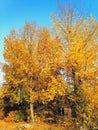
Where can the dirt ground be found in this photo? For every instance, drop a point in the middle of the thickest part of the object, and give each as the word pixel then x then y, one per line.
pixel 9 125
pixel 25 126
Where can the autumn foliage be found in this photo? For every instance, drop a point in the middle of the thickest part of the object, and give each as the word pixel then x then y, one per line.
pixel 55 72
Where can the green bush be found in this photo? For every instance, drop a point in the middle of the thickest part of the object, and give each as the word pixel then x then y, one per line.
pixel 20 116
pixel 16 116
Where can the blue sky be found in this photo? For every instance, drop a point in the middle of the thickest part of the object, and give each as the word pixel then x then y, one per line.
pixel 15 13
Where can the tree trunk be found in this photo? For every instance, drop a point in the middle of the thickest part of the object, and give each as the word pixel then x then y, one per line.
pixel 32 112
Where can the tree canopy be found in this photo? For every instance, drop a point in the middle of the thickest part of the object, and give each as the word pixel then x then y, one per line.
pixel 47 69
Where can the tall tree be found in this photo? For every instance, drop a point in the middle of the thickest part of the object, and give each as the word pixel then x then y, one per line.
pixel 79 38
pixel 32 60
pixel 22 65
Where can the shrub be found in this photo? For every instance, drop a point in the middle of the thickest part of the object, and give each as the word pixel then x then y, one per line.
pixel 15 116
pixel 20 116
